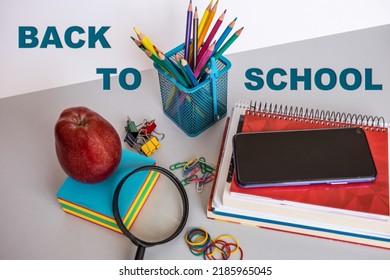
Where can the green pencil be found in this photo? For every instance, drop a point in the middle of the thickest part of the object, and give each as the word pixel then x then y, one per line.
pixel 156 59
pixel 228 43
pixel 174 73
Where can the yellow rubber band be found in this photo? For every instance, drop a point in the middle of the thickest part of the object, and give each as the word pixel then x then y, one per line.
pixel 229 236
pixel 198 243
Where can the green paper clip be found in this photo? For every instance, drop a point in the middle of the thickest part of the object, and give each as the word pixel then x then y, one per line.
pixel 188 180
pixel 206 167
pixel 177 165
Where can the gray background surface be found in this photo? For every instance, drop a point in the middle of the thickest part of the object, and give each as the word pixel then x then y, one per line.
pixel 33 225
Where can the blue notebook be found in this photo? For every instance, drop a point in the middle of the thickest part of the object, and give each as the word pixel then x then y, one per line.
pixel 93 202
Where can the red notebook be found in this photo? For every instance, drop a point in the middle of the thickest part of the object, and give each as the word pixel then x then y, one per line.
pixel 370 197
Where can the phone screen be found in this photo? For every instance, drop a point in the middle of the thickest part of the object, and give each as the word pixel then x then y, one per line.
pixel 302 157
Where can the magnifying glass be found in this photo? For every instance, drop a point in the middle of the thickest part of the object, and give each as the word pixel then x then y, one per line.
pixel 163 215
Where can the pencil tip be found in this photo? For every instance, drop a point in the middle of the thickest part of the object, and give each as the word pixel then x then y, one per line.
pixel 137 30
pixel 210 5
pixel 215 6
pixel 231 25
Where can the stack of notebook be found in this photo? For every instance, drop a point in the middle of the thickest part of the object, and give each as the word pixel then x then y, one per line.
pixel 93 202
pixel 357 212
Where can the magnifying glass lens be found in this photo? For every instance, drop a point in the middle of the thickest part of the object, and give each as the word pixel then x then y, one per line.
pixel 161 213
pixel 160 210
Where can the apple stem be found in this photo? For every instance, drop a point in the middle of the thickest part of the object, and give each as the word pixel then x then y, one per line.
pixel 80 122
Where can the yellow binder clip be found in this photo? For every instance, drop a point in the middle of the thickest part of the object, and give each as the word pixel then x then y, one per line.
pixel 150 146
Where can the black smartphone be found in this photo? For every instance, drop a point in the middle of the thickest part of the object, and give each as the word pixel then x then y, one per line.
pixel 302 157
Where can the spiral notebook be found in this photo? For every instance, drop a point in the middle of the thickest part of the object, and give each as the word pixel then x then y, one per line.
pixel 357 215
pixel 371 197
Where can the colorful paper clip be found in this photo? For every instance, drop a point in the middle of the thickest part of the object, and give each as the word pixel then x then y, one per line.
pixel 177 165
pixel 206 178
pixel 191 169
pixel 188 180
pixel 191 164
pixel 205 166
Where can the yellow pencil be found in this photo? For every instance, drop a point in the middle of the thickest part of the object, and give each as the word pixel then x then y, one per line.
pixel 204 17
pixel 145 41
pixel 207 24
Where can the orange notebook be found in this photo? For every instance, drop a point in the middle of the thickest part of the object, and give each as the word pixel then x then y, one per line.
pixel 370 197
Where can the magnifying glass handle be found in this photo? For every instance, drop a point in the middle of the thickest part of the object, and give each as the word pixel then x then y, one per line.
pixel 139 255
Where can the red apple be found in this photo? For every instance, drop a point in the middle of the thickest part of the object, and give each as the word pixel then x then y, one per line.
pixel 88 147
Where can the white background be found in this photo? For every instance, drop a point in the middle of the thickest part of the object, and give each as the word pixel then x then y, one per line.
pixel 267 23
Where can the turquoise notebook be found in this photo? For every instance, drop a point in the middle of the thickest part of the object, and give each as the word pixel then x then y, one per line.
pixel 93 202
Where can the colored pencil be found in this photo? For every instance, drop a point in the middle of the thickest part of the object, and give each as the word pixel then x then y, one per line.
pixel 204 17
pixel 189 72
pixel 145 41
pixel 175 74
pixel 204 60
pixel 205 75
pixel 190 66
pixel 207 25
pixel 194 50
pixel 228 43
pixel 156 59
pixel 224 35
pixel 138 43
pixel 178 59
pixel 211 35
pixel 174 64
pixel 188 31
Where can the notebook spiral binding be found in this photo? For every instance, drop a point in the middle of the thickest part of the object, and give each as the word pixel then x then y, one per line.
pixel 319 116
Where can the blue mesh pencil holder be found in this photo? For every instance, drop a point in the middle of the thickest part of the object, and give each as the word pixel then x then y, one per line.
pixel 195 109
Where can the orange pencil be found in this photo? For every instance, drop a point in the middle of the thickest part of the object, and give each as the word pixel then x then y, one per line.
pixel 204 17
